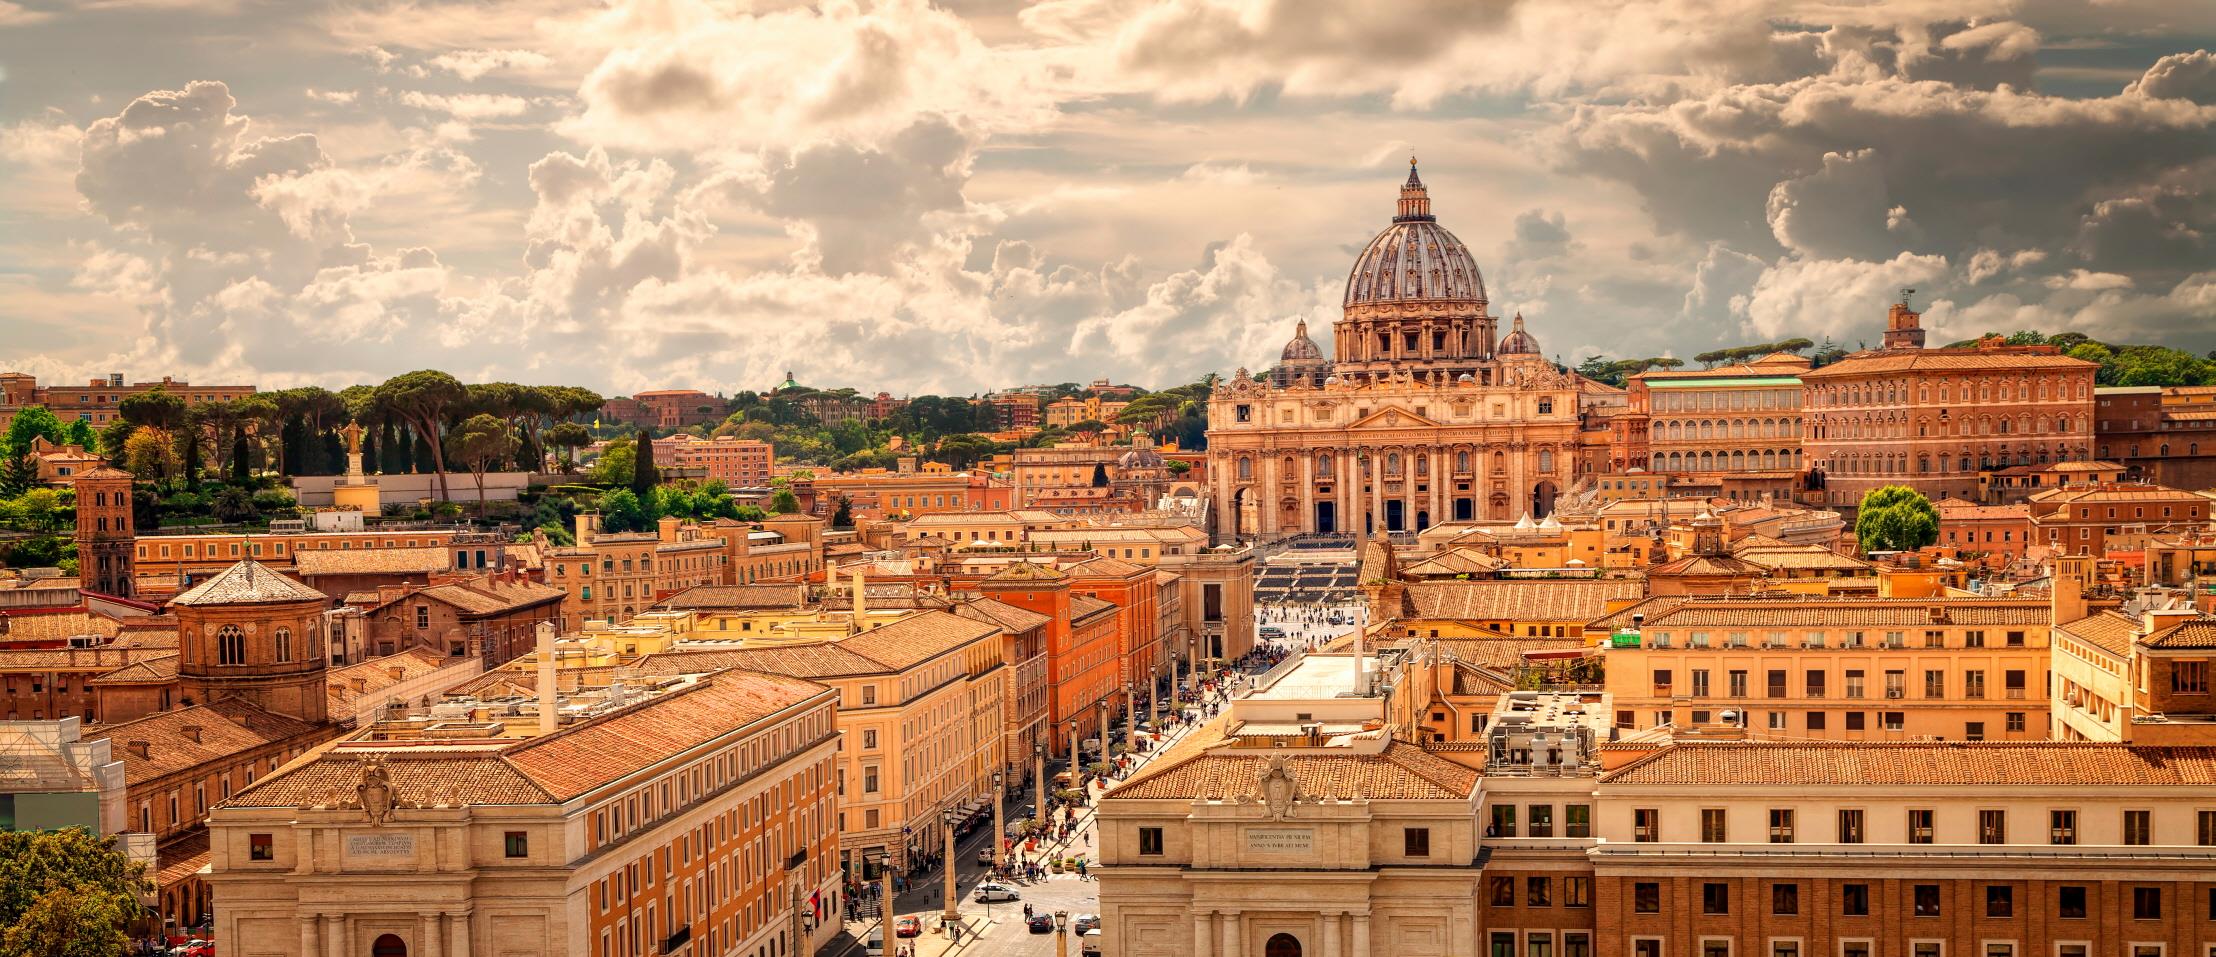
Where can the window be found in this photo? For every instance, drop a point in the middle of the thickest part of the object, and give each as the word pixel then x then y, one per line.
pixel 1542 820
pixel 1646 947
pixel 261 847
pixel 1715 898
pixel 1926 900
pixel 2138 828
pixel 518 844
pixel 1577 820
pixel 1538 892
pixel 1919 825
pixel 1854 900
pixel 1503 891
pixel 283 643
pixel 2207 828
pixel 1415 841
pixel 1785 948
pixel 1646 897
pixel 422 616
pixel 2062 827
pixel 230 646
pixel 1850 826
pixel 1992 826
pixel 2146 903
pixel 1712 829
pixel 2069 902
pixel 1646 825
pixel 1503 944
pixel 2015 721
pixel 1785 899
pixel 1504 821
pixel 1927 948
pixel 2000 900
pixel 1854 721
pixel 1781 825
pixel 1577 892
pixel 2189 677
pixel 1715 947
pixel 1150 841
pixel 1577 944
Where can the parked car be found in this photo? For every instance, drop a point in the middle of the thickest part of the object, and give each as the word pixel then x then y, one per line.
pixel 909 926
pixel 1040 924
pixel 1271 631
pixel 1085 922
pixel 1089 945
pixel 874 946
pixel 989 892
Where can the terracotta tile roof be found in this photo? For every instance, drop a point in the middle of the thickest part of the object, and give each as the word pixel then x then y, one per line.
pixel 1849 613
pixel 429 777
pixel 823 660
pixel 45 625
pixel 485 596
pixel 2106 630
pixel 1456 561
pixel 1811 557
pixel 226 728
pixel 1477 680
pixel 2195 634
pixel 920 637
pixel 1692 565
pixel 181 858
pixel 372 561
pixel 1105 567
pixel 585 756
pixel 1027 572
pixel 1009 617
pixel 96 660
pixel 104 472
pixel 1570 600
pixel 1649 607
pixel 376 675
pixel 248 582
pixel 550 769
pixel 717 597
pixel 1862 764
pixel 1944 360
pixel 1402 772
pixel 150 671
pixel 1503 653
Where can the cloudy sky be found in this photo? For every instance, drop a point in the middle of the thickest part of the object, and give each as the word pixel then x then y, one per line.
pixel 893 194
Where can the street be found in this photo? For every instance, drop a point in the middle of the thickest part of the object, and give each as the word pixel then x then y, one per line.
pixel 997 929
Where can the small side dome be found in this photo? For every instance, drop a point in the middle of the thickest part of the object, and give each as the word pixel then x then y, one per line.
pixel 1465 379
pixel 1518 342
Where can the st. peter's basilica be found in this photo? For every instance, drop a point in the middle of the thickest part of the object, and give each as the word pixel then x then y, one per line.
pixel 1423 415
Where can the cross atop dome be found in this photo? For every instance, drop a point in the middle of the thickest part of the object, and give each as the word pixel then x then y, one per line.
pixel 1415 201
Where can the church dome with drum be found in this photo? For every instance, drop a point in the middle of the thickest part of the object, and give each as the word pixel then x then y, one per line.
pixel 1422 414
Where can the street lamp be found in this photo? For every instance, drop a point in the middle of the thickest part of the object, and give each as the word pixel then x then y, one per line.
pixel 1038 782
pixel 953 911
pixel 1061 933
pixel 1000 830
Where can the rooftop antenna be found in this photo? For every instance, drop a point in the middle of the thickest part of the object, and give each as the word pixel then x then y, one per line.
pixel 1906 292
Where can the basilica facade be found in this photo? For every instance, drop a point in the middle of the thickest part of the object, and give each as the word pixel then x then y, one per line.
pixel 1423 415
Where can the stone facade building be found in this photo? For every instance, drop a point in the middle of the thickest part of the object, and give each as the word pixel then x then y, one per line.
pixel 1736 426
pixel 1422 416
pixel 1936 418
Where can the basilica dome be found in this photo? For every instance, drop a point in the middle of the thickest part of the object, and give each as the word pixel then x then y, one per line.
pixel 1301 348
pixel 1414 259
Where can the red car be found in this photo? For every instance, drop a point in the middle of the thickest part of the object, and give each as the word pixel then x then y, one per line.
pixel 908 927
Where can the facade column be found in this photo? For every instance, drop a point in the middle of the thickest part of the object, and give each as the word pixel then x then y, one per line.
pixel 1361 946
pixel 1307 522
pixel 1265 505
pixel 1350 494
pixel 457 926
pixel 311 937
pixel 1377 495
pixel 1331 935
pixel 1408 455
pixel 1231 946
pixel 334 936
pixel 432 928
pixel 1204 932
pixel 1439 482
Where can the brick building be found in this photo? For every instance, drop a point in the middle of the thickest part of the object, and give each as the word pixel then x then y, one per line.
pixel 736 462
pixel 1936 418
pixel 493 617
pixel 2093 518
pixel 98 402
pixel 2162 434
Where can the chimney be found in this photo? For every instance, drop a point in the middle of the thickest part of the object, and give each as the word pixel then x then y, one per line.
pixel 396 672
pixel 861 603
pixel 2067 596
pixel 550 719
pixel 191 732
pixel 2156 620
pixel 138 749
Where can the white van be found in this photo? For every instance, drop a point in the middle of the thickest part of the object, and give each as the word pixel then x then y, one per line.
pixel 875 945
pixel 1089 945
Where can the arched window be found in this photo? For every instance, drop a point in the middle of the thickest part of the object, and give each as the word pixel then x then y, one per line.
pixel 1546 460
pixel 388 945
pixel 1461 461
pixel 1323 464
pixel 1281 945
pixel 1392 463
pixel 230 645
pixel 1246 470
pixel 283 643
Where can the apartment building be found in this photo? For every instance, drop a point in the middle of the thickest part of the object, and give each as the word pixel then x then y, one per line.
pixel 612 577
pixel 2094 517
pixel 698 813
pixel 2163 434
pixel 920 711
pixel 735 461
pixel 1835 669
pixel 100 401
pixel 188 555
pixel 1736 424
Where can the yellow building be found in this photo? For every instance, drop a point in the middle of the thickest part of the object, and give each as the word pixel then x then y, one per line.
pixel 920 712
pixel 1833 669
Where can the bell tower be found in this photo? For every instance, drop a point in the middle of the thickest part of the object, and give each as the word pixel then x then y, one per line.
pixel 106 536
pixel 1903 328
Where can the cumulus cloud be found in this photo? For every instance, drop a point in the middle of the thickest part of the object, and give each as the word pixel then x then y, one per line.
pixel 472 64
pixel 467 106
pixel 2187 76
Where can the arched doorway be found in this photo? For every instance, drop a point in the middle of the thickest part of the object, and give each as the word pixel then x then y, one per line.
pixel 389 945
pixel 1282 945
pixel 1542 500
pixel 1423 520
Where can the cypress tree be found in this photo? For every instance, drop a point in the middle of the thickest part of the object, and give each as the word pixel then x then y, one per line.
pixel 643 474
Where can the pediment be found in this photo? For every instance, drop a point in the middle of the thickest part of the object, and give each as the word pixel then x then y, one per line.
pixel 1394 417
